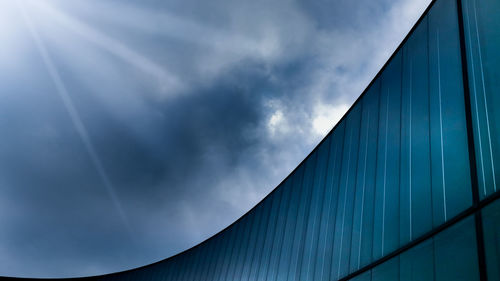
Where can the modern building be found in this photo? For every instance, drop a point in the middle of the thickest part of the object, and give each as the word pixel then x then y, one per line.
pixel 405 187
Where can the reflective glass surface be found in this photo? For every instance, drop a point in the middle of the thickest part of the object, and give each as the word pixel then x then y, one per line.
pixel 482 34
pixel 491 226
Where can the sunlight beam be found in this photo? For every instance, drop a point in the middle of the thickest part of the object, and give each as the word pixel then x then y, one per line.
pixel 74 116
pixel 168 82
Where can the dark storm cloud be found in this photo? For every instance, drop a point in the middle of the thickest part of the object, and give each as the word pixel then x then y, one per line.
pixel 195 110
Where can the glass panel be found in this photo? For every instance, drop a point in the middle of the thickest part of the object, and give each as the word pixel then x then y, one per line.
pixel 203 257
pixel 456 252
pixel 179 269
pixel 451 186
pixel 415 152
pixel 205 252
pixel 172 269
pixel 239 259
pixel 362 234
pixel 271 229
pixel 386 212
pixel 343 233
pixel 300 228
pixel 286 253
pixel 221 250
pixel 388 271
pixel 280 230
pixel 450 255
pixel 417 264
pixel 213 258
pixel 248 220
pixel 482 34
pixel 188 266
pixel 232 257
pixel 327 229
pixel 367 276
pixel 254 235
pixel 314 215
pixel 491 228
pixel 259 245
pixel 230 239
pixel 194 260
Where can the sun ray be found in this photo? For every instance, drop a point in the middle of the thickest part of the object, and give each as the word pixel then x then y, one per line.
pixel 168 83
pixel 78 124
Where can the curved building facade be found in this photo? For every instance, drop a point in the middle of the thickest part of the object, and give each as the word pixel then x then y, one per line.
pixel 405 186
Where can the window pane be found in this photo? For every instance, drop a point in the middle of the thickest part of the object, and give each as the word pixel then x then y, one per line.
pixel 280 230
pixel 388 271
pixel 259 244
pixel 362 234
pixel 231 242
pixel 271 230
pixel 195 259
pixel 254 235
pixel 482 34
pixel 314 214
pixel 221 251
pixel 343 228
pixel 456 252
pixel 243 247
pixel 451 187
pixel 415 151
pixel 301 223
pixel 417 264
pixel 491 228
pixel 210 249
pixel 367 276
pixel 325 246
pixel 291 221
pixel 229 274
pixel 386 215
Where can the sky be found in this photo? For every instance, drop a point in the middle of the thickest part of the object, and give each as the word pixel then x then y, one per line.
pixel 133 130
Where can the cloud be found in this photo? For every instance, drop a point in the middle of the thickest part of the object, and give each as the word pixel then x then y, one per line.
pixel 326 116
pixel 196 109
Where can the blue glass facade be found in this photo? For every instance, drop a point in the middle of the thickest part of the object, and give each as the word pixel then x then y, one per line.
pixel 403 188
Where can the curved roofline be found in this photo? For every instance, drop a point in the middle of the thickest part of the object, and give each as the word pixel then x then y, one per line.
pixel 426 11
